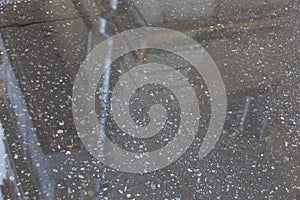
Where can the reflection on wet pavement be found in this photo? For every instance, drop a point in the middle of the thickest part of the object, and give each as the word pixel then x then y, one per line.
pixel 255 46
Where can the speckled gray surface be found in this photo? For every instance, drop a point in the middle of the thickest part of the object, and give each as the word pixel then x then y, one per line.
pixel 255 45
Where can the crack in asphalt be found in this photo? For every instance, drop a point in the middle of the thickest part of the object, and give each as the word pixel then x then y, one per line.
pixel 16 25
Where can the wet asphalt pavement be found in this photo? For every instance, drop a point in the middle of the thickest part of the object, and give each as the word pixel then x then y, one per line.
pixel 256 48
